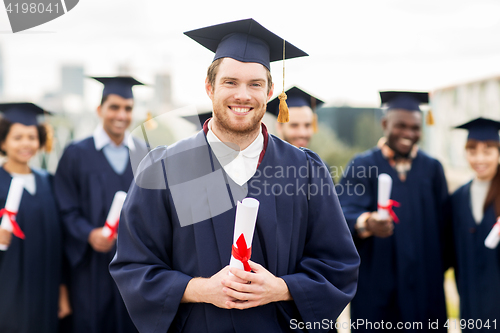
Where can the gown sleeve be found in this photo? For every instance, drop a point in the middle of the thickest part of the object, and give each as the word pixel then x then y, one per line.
pixel 67 191
pixel 355 192
pixel 326 276
pixel 142 266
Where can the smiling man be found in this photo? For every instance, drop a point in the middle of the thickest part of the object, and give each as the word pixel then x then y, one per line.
pixel 401 275
pixel 89 174
pixel 176 239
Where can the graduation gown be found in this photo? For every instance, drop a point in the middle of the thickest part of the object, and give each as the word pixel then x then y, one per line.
pixel 477 268
pixel 401 276
pixel 30 270
pixel 85 184
pixel 302 239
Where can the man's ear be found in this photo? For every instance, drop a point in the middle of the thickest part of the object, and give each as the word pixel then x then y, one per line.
pixel 383 122
pixel 271 92
pixel 209 89
pixel 99 111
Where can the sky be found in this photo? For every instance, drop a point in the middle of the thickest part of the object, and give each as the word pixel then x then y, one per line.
pixel 356 48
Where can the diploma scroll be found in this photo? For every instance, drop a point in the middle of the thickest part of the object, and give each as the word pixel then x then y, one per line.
pixel 111 226
pixel 384 194
pixel 11 208
pixel 244 226
pixel 493 238
pixel 384 203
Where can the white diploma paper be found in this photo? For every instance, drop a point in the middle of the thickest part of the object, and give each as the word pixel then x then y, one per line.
pixel 114 212
pixel 384 194
pixel 493 238
pixel 12 204
pixel 246 216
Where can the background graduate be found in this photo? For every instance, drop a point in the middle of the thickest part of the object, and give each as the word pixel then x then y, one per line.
pixel 176 232
pixel 303 122
pixel 31 294
pixel 402 265
pixel 476 208
pixel 89 174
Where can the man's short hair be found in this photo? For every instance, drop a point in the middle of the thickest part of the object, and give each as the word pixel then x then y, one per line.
pixel 214 67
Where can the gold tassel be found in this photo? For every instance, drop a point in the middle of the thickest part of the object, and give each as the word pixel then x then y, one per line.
pixel 315 123
pixel 49 142
pixel 429 119
pixel 151 124
pixel 283 116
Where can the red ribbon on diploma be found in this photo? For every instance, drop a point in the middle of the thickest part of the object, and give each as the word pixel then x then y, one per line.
pixel 242 253
pixel 16 230
pixel 114 230
pixel 390 204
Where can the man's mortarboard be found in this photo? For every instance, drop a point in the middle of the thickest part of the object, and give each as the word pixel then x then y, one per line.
pixel 247 41
pixel 407 100
pixel 118 85
pixel 23 113
pixel 296 97
pixel 482 129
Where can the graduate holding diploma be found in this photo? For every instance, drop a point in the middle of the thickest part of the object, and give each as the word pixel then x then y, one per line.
pixel 89 174
pixel 177 228
pixel 476 208
pixel 32 296
pixel 401 242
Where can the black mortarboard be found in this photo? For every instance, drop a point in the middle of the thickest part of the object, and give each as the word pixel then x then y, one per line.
pixel 482 129
pixel 118 85
pixel 296 97
pixel 245 41
pixel 199 119
pixel 405 100
pixel 24 113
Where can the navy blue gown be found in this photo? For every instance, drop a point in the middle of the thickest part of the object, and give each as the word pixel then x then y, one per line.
pixel 30 270
pixel 401 276
pixel 477 268
pixel 299 237
pixel 85 184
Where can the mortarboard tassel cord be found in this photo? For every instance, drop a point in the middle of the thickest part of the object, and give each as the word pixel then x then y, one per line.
pixel 283 116
pixel 49 142
pixel 429 119
pixel 315 116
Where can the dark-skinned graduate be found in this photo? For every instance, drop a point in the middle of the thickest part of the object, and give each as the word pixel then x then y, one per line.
pixel 403 257
pixel 476 210
pixel 88 175
pixel 176 231
pixel 33 293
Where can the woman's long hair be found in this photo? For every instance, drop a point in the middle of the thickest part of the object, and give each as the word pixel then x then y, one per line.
pixel 493 196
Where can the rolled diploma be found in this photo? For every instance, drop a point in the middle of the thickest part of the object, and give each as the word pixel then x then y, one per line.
pixel 493 238
pixel 12 204
pixel 114 212
pixel 384 194
pixel 246 216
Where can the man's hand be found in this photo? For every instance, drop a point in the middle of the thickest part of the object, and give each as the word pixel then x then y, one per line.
pixel 64 305
pixel 5 237
pixel 203 290
pixel 99 242
pixel 378 227
pixel 263 288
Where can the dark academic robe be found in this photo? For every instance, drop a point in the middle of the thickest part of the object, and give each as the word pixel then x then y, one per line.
pixel 30 270
pixel 85 184
pixel 299 237
pixel 401 276
pixel 477 269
